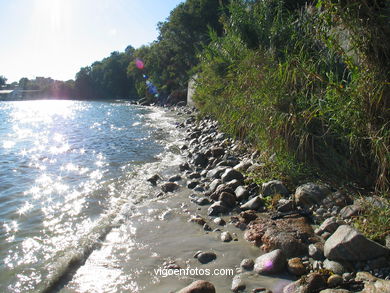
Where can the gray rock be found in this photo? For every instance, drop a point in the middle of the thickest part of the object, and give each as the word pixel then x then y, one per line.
pixel 329 225
pixel 334 266
pixel 169 187
pixel 310 194
pixel 219 221
pixel 214 184
pixel 216 172
pixel 335 291
pixel 274 187
pixel 174 178
pixel 270 263
pixel 192 184
pixel 285 205
pixel 316 251
pixel 217 151
pixel 201 160
pixel 233 184
pixel 202 201
pixel 226 237
pixel 216 209
pixel 247 264
pixel 238 284
pixel 348 244
pixel 227 199
pixel 242 193
pixel 206 257
pixel 350 211
pixel 242 166
pixel 254 204
pixel 231 174
pixel 153 180
pixel 199 286
pixel 193 175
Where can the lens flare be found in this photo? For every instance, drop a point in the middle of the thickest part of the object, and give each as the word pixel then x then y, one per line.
pixel 139 64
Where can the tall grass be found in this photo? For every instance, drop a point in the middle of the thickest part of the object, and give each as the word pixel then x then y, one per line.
pixel 301 82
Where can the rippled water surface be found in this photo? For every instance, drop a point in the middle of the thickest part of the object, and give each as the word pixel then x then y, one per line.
pixel 77 214
pixel 64 170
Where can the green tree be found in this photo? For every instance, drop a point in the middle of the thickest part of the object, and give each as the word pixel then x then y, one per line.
pixel 3 80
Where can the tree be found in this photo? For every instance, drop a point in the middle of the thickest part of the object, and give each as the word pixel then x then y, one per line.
pixel 3 80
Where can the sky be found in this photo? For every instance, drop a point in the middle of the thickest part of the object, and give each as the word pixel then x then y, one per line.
pixel 55 38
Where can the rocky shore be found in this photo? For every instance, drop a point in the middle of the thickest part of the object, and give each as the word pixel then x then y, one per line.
pixel 306 233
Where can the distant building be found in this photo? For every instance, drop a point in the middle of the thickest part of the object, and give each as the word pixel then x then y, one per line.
pixel 18 94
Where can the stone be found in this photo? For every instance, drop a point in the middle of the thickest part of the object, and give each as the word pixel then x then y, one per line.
pixel 273 262
pixel 334 266
pixel 219 221
pixel 238 284
pixel 380 286
pixel 254 204
pixel 231 174
pixel 214 184
pixel 216 172
pixel 192 184
pixel 348 244
pixel 334 280
pixel 226 237
pixel 335 291
pixel 329 225
pixel 198 220
pixel 350 211
pixel 295 266
pixel 274 187
pixel 174 178
pixel 316 250
pixel 169 187
pixel 285 205
pixel 310 194
pixel 193 175
pixel 217 151
pixel 247 264
pixel 206 257
pixel 241 193
pixel 184 167
pixel 247 216
pixel 227 199
pixel 199 286
pixel 242 166
pixel 216 209
pixel 153 180
pixel 289 234
pixel 315 282
pixel 201 160
pixel 202 201
pixel 233 184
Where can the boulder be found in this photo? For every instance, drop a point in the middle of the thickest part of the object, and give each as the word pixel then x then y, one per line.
pixel 227 199
pixel 169 186
pixel 238 284
pixel 153 179
pixel 273 262
pixel 329 225
pixel 348 244
pixel 201 160
pixel 254 204
pixel 274 187
pixel 247 264
pixel 226 237
pixel 206 257
pixel 310 194
pixel 214 184
pixel 242 193
pixel 334 266
pixel 292 235
pixel 216 209
pixel 199 286
pixel 231 174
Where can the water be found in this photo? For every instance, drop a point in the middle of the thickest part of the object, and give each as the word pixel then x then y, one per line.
pixel 76 211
